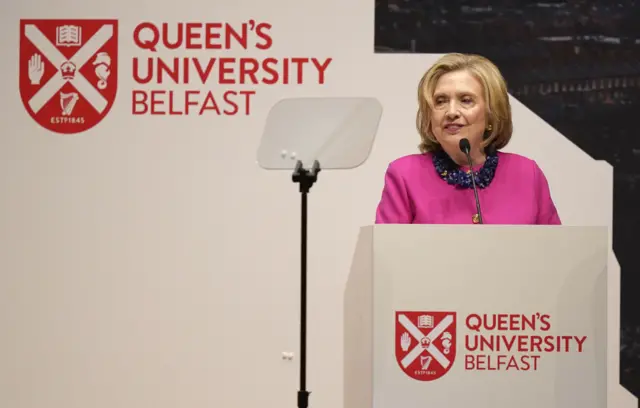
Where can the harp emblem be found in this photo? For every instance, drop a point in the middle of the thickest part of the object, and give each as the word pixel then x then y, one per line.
pixel 68 102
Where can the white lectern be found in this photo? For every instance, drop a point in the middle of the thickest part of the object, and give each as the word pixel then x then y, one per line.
pixel 477 316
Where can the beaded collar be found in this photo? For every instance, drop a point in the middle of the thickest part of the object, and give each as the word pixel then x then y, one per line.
pixel 450 172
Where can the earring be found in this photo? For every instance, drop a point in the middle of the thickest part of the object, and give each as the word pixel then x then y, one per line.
pixel 489 128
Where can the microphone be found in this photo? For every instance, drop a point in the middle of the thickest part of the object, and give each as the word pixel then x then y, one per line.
pixel 465 147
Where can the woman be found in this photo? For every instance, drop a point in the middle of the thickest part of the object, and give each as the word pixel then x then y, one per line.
pixel 464 96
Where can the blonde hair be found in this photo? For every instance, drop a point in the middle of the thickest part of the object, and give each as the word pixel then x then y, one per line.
pixel 495 94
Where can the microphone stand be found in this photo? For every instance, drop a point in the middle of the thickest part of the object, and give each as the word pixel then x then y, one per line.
pixel 475 190
pixel 466 149
pixel 306 179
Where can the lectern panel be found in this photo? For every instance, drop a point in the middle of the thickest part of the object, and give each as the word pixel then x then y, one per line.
pixel 496 316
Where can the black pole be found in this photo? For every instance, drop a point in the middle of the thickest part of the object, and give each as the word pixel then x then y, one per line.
pixel 306 179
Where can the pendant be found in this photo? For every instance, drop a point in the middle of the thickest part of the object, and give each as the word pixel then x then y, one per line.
pixel 475 218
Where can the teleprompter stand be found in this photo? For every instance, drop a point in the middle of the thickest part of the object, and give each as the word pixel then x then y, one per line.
pixel 305 178
pixel 301 133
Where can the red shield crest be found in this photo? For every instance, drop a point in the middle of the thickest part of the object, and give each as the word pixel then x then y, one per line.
pixel 68 72
pixel 425 343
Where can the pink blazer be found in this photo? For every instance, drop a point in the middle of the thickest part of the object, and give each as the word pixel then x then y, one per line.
pixel 414 193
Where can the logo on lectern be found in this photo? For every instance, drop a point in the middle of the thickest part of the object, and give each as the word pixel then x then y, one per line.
pixel 425 343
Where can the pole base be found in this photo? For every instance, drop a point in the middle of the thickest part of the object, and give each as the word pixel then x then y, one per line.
pixel 303 399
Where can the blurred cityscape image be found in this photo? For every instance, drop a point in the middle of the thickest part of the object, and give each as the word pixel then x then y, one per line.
pixel 575 63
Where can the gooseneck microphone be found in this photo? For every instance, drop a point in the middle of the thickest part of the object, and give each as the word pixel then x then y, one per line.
pixel 465 147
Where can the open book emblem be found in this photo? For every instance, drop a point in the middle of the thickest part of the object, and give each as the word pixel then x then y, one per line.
pixel 69 36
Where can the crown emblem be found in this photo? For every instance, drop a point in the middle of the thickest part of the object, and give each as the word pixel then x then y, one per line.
pixel 68 70
pixel 425 342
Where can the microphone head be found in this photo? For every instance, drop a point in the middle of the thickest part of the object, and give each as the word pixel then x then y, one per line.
pixel 465 146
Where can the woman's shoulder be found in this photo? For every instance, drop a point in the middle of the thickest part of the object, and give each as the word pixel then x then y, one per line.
pixel 411 161
pixel 516 160
pixel 521 167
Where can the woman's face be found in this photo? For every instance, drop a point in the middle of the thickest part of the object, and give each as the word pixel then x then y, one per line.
pixel 458 112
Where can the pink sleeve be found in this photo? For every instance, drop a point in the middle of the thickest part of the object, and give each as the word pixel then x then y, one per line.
pixel 547 213
pixel 394 207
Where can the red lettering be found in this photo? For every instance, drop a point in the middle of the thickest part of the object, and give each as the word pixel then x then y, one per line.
pixel 501 362
pixel 204 75
pixel 321 68
pixel 524 343
pixel 136 71
pixel 212 36
pixel 160 102
pixel 248 68
pixel 508 342
pixel 192 35
pixel 148 41
pixel 198 36
pixel 269 65
pixel 139 103
pixel 262 31
pixel 229 70
pixel 536 342
pixel 226 70
pixel 544 319
pixel 469 362
pixel 501 321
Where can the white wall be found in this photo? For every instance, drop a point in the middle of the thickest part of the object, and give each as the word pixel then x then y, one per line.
pixel 150 262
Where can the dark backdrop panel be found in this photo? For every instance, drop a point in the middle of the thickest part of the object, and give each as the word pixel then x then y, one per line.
pixel 575 63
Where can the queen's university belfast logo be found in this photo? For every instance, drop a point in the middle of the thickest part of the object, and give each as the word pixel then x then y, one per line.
pixel 425 343
pixel 68 72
